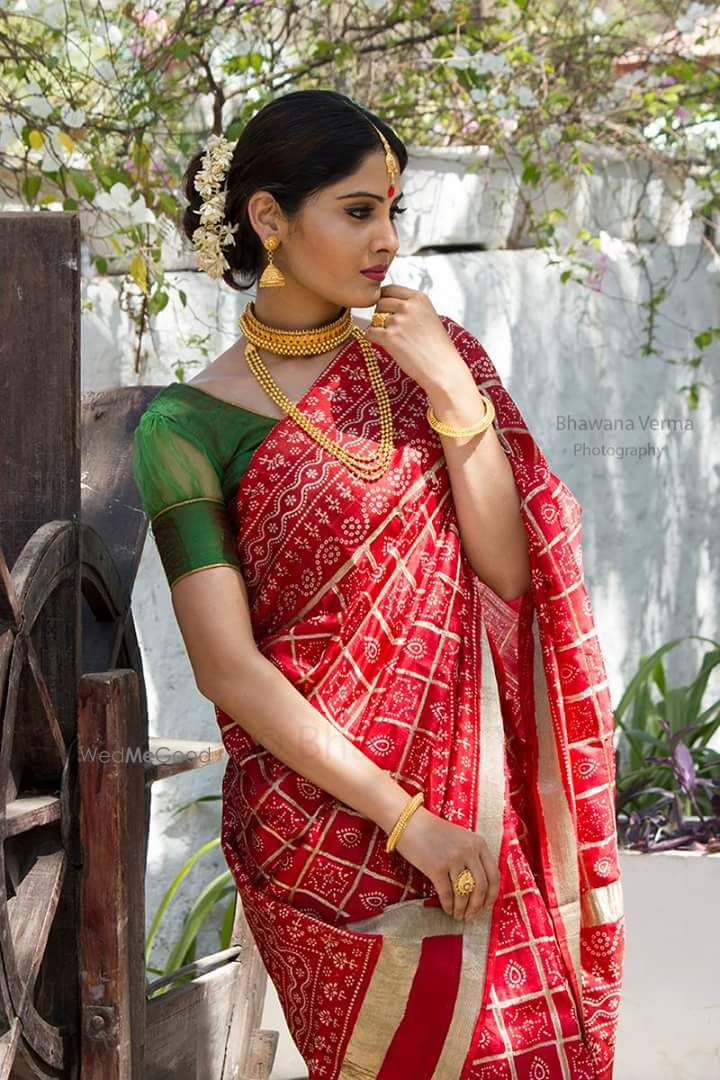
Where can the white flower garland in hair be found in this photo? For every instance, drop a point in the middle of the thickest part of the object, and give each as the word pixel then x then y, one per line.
pixel 212 235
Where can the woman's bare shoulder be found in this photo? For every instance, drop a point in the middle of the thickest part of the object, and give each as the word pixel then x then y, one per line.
pixel 222 365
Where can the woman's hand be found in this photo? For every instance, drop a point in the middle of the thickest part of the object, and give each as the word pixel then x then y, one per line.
pixel 440 850
pixel 417 340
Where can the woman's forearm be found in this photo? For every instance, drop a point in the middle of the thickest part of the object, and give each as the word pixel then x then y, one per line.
pixel 267 705
pixel 484 492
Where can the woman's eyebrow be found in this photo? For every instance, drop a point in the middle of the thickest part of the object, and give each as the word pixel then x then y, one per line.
pixel 369 194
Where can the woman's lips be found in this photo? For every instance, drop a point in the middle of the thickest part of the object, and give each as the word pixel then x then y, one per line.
pixel 376 275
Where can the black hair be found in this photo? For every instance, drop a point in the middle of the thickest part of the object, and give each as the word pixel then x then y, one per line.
pixel 294 146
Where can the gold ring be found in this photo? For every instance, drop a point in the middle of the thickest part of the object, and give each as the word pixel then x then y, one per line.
pixel 465 882
pixel 380 318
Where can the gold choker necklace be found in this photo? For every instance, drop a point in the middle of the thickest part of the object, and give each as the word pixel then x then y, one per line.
pixel 297 343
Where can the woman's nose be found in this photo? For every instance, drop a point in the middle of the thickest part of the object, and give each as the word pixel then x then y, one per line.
pixel 389 241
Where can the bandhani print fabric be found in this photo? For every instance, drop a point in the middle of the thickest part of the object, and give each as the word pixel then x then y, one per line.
pixel 499 712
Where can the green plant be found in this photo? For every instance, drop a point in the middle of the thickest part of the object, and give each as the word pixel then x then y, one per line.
pixel 667 773
pixel 220 890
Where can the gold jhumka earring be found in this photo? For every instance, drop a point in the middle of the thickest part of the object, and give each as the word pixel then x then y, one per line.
pixel 271 277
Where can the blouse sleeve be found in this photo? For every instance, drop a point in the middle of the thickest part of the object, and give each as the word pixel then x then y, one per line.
pixel 181 491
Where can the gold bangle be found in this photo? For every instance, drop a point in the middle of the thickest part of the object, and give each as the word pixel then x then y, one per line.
pixel 458 433
pixel 402 821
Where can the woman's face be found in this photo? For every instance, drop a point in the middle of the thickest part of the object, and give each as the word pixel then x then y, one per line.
pixel 338 234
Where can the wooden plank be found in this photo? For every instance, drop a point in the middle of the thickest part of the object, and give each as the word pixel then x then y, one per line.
pixel 40 462
pixel 168 757
pixel 40 432
pixel 112 903
pixel 262 1055
pixel 242 1046
pixel 111 503
pixel 39 373
pixel 29 812
pixel 187 1027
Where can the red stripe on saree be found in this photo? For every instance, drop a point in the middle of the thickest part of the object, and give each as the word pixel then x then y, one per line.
pixel 433 991
pixel 361 594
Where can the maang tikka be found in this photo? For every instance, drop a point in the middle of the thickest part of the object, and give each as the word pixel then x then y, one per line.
pixel 389 162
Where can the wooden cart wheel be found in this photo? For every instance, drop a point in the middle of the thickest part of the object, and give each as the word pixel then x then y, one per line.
pixel 40 852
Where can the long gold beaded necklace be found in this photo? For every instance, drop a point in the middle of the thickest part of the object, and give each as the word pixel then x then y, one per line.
pixel 309 343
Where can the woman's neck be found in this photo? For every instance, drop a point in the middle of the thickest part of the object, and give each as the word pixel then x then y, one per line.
pixel 282 313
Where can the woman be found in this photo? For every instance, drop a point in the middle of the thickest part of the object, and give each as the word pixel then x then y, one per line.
pixel 378 580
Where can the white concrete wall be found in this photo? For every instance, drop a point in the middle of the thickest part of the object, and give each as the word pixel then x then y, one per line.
pixel 652 559
pixel 670 1021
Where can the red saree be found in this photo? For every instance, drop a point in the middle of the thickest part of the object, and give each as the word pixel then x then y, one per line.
pixel 362 595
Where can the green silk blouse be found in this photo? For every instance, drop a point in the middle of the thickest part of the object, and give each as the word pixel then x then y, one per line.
pixel 190 450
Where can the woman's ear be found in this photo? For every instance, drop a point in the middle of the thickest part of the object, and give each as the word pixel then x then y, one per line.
pixel 265 215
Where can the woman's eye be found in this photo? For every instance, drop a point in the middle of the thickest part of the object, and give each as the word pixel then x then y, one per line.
pixel 360 212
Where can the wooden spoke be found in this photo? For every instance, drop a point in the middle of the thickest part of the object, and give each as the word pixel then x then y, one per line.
pixel 29 894
pixel 29 812
pixel 9 1041
pixel 42 745
pixel 9 609
pixel 29 916
pixel 8 784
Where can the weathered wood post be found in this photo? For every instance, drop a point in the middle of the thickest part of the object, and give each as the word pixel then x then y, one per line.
pixel 39 640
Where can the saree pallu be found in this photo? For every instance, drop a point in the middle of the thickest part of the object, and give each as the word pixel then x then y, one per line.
pixel 362 595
